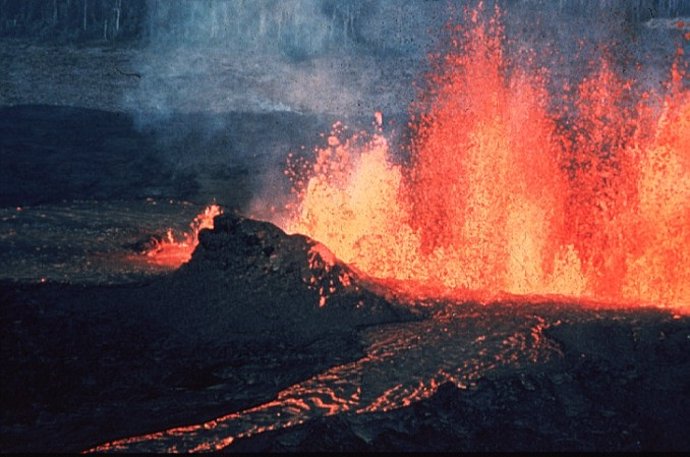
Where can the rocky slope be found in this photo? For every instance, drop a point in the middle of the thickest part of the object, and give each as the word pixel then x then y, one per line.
pixel 242 320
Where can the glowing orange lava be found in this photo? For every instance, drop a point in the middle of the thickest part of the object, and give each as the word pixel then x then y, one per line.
pixel 173 252
pixel 505 193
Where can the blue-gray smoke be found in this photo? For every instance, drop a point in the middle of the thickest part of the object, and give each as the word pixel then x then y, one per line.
pixel 349 57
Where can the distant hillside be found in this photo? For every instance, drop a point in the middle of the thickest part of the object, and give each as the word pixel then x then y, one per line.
pixel 294 27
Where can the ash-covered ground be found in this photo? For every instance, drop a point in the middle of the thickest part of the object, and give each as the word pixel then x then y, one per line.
pixel 104 145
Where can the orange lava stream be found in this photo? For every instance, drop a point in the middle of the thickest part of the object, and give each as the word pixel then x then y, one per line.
pixel 173 252
pixel 502 195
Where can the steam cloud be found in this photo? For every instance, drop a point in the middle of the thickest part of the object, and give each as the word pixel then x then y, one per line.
pixel 347 59
pixel 338 57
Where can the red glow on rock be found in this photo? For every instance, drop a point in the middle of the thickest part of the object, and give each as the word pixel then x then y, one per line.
pixel 174 251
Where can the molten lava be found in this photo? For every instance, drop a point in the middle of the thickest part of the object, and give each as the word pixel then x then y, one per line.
pixel 173 252
pixel 510 189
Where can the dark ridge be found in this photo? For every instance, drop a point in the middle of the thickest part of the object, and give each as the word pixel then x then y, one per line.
pixel 55 153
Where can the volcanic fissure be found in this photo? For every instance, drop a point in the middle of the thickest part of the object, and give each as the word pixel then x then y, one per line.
pixel 513 187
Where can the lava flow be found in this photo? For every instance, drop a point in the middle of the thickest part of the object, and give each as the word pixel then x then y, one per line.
pixel 173 252
pixel 510 189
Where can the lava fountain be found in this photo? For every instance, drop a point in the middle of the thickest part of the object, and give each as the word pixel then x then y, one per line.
pixel 511 189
